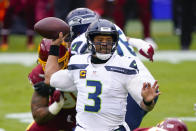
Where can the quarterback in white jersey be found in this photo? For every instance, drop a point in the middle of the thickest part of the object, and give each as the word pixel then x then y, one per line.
pixel 102 89
pixel 103 81
pixel 124 48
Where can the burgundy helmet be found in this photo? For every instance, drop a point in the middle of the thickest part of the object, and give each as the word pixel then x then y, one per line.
pixel 173 124
pixel 43 51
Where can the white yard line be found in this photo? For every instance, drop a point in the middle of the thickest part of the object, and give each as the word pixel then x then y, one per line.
pixel 175 56
pixel 23 117
pixel 28 59
pixel 189 119
pixel 26 117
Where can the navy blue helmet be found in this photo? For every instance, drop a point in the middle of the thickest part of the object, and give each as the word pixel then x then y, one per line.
pixel 79 19
pixel 102 27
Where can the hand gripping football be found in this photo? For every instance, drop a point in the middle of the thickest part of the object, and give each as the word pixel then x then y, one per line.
pixel 50 27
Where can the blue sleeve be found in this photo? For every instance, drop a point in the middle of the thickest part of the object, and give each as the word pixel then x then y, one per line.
pixel 135 113
pixel 78 47
pixel 125 43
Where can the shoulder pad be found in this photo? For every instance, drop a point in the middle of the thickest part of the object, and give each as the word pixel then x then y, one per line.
pixel 79 45
pixel 127 62
pixel 78 62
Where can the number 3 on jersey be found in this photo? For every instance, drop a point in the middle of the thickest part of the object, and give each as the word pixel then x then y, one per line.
pixel 94 96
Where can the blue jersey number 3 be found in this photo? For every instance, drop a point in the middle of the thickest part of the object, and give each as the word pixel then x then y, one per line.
pixel 95 96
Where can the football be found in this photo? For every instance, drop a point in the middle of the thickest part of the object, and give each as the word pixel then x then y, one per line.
pixel 50 27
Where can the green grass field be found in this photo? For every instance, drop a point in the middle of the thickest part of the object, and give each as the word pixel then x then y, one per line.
pixel 177 81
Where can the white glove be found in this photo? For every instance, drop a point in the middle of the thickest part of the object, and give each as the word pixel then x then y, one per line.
pixel 55 107
pixel 143 47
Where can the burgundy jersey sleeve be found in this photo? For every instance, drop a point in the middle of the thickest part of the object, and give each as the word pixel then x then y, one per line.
pixel 36 75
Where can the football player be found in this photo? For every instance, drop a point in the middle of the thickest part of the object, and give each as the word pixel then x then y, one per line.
pixel 79 20
pixel 23 8
pixel 169 124
pixel 50 111
pixel 103 80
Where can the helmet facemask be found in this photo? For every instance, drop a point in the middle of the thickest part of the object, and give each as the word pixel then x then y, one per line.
pixel 102 39
pixel 102 50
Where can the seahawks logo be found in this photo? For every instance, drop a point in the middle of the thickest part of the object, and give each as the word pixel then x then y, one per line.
pixel 75 21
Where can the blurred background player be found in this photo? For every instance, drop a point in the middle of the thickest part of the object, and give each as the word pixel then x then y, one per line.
pixel 63 7
pixel 143 9
pixel 188 20
pixel 44 8
pixel 169 124
pixel 115 9
pixel 177 16
pixel 29 10
pixel 18 7
pixel 43 103
pixel 3 6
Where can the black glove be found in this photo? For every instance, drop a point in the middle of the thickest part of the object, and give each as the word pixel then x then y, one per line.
pixel 43 89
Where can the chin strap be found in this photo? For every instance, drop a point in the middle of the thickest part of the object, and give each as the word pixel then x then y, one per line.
pixel 96 60
pixel 103 56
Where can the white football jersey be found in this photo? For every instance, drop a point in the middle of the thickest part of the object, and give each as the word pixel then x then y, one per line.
pixel 102 89
pixel 79 46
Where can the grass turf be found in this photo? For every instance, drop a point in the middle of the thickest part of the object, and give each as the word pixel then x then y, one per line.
pixel 177 84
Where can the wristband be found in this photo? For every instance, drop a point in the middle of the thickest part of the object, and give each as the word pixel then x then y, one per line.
pixel 55 107
pixel 54 50
pixel 148 103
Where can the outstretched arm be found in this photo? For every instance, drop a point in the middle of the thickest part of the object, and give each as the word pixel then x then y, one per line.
pixel 52 64
pixel 144 48
pixel 143 93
